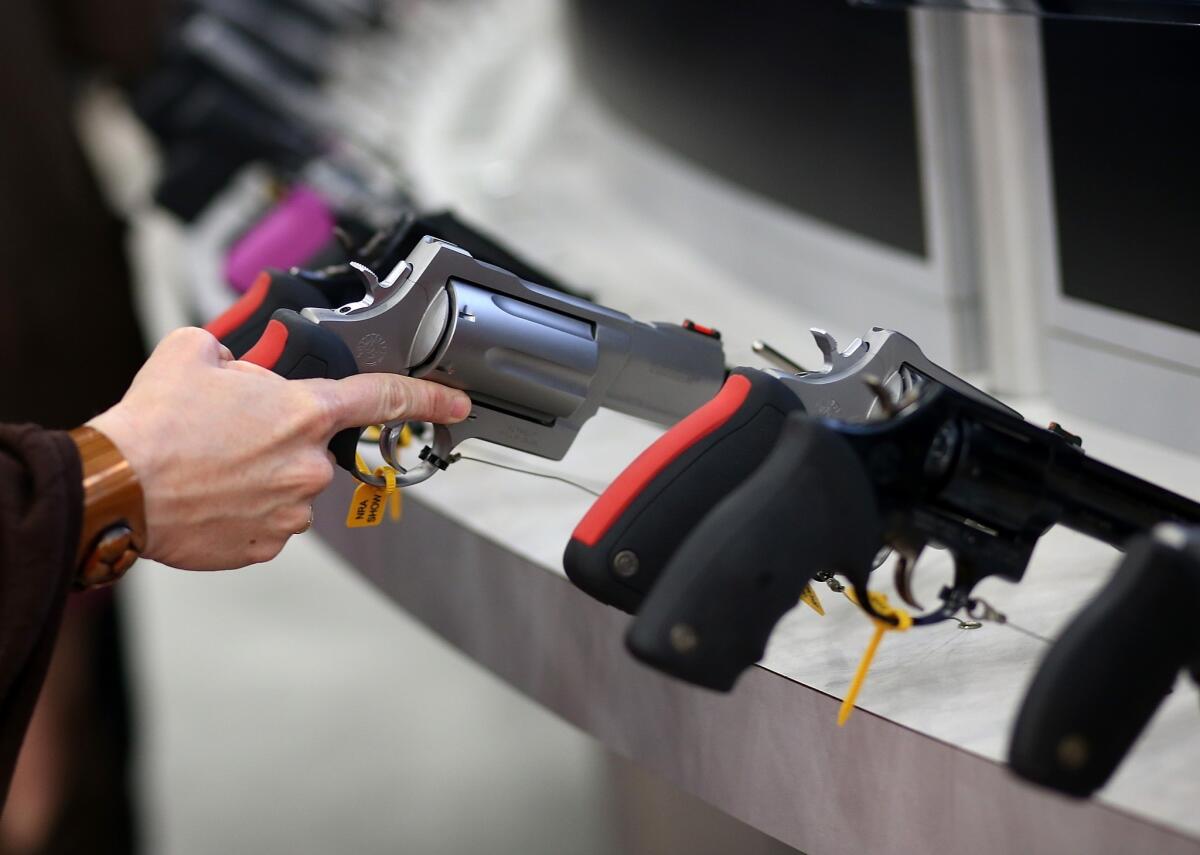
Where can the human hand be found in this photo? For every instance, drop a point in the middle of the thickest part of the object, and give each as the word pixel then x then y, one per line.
pixel 230 456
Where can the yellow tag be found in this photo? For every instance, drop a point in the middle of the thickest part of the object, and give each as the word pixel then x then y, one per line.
pixel 903 622
pixel 809 597
pixel 396 507
pixel 367 503
pixel 366 507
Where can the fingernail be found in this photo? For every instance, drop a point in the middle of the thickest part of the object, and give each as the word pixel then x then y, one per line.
pixel 461 407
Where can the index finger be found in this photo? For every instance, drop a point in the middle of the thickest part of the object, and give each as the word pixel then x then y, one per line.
pixel 368 399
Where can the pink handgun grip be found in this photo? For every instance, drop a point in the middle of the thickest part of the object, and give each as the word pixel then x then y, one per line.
pixel 289 236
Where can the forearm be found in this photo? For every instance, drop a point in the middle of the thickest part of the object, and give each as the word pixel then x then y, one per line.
pixel 41 501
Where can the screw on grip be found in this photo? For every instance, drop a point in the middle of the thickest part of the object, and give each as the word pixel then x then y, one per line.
pixel 809 507
pixel 296 348
pixel 622 544
pixel 1110 669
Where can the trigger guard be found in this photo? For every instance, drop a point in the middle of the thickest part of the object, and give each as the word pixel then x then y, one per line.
pixel 389 439
pixel 954 599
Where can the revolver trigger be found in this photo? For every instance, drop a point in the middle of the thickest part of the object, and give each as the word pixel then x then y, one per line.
pixel 906 563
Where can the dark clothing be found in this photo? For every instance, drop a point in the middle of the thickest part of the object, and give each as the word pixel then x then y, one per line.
pixel 67 318
pixel 41 506
pixel 69 345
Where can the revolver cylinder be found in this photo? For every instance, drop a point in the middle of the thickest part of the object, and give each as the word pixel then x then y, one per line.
pixel 516 355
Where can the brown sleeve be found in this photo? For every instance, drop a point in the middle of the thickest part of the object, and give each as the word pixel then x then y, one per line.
pixel 41 507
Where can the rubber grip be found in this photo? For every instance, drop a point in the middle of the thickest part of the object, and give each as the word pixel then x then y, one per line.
pixel 1108 672
pixel 810 506
pixel 620 547
pixel 241 325
pixel 294 347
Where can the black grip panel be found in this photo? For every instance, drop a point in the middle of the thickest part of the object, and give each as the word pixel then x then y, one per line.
pixel 239 329
pixel 296 348
pixel 623 565
pixel 1108 672
pixel 809 507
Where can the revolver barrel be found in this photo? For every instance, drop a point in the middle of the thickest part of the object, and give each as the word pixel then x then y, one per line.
pixel 669 371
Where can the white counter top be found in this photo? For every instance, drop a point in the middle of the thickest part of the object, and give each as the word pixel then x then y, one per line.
pixel 959 686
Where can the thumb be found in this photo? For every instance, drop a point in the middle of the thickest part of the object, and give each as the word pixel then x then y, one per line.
pixel 368 399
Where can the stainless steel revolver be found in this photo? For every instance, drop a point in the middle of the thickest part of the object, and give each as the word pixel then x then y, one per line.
pixel 535 362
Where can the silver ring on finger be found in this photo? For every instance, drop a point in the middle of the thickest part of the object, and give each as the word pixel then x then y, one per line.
pixel 308 524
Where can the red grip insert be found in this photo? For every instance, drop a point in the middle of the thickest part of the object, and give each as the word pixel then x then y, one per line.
pixel 666 449
pixel 240 312
pixel 270 347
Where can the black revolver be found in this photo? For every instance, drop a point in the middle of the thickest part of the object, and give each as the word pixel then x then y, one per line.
pixel 944 469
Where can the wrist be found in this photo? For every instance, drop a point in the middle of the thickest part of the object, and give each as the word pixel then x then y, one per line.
pixel 121 428
pixel 137 445
pixel 113 531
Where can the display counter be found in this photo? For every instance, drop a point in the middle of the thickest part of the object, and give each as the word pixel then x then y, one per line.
pixel 477 559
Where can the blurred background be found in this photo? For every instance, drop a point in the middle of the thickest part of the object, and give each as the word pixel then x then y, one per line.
pixel 1017 193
